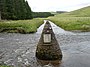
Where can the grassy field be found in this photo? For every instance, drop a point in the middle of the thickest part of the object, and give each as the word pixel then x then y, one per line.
pixel 75 20
pixel 20 26
pixel 72 23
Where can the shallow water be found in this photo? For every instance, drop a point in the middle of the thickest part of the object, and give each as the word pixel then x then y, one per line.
pixel 19 49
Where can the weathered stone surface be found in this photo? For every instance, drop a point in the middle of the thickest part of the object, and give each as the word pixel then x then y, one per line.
pixel 48 51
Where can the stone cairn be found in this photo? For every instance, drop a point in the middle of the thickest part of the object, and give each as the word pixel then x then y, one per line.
pixel 48 47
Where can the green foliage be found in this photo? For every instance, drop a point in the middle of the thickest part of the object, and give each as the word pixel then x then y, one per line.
pixel 41 14
pixel 21 26
pixel 15 9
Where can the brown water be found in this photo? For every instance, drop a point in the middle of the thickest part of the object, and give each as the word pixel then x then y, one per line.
pixel 19 49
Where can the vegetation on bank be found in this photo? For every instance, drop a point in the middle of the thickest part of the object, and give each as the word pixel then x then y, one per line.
pixel 75 20
pixel 4 66
pixel 20 26
pixel 72 23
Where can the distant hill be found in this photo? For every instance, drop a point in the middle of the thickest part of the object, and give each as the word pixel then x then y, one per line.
pixel 83 12
pixel 61 11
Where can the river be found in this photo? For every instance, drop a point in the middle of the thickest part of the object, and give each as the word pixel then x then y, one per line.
pixel 18 50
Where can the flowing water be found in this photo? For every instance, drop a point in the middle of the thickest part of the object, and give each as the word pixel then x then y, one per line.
pixel 18 50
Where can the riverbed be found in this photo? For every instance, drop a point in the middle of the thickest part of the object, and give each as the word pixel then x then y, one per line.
pixel 18 50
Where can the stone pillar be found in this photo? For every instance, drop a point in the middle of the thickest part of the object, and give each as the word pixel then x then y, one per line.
pixel 48 47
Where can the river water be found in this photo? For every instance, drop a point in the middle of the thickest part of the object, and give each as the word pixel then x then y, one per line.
pixel 18 50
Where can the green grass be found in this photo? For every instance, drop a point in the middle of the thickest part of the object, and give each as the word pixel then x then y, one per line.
pixel 4 66
pixel 83 12
pixel 72 23
pixel 75 20
pixel 20 26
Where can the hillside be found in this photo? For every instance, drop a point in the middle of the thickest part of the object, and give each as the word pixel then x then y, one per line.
pixel 75 20
pixel 83 12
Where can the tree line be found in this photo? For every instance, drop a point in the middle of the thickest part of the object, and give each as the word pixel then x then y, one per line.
pixel 19 10
pixel 15 9
pixel 41 14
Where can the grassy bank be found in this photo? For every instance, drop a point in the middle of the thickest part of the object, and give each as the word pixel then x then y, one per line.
pixel 20 26
pixel 4 66
pixel 72 23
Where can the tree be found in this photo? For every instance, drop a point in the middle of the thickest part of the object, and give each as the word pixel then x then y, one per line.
pixel 28 11
pixel 0 10
pixel 3 8
pixel 15 9
pixel 9 9
pixel 0 15
pixel 42 14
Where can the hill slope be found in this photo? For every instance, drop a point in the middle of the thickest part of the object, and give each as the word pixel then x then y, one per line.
pixel 75 20
pixel 83 12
